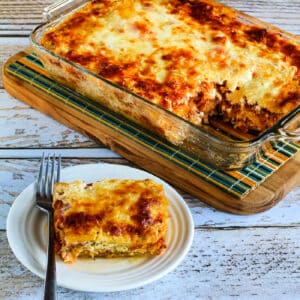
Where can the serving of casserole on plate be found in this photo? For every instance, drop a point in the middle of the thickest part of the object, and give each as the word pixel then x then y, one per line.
pixel 27 234
pixel 209 79
pixel 110 218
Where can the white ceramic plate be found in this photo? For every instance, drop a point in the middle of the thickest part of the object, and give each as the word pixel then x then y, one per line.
pixel 27 236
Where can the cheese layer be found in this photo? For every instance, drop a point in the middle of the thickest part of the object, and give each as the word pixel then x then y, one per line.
pixel 110 218
pixel 194 58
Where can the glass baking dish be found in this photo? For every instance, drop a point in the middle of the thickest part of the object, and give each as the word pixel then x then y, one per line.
pixel 217 143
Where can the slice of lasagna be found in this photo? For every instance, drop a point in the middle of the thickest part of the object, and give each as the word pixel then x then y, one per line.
pixel 110 218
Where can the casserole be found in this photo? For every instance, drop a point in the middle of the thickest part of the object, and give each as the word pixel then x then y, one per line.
pixel 207 78
pixel 110 218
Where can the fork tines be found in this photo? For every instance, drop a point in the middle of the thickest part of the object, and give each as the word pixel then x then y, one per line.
pixel 49 174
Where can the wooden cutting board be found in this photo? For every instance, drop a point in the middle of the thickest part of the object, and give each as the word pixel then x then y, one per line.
pixel 272 190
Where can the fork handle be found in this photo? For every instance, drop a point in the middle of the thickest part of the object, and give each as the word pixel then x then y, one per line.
pixel 50 283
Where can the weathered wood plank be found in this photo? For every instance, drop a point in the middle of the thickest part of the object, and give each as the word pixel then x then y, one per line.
pixel 282 14
pixel 22 126
pixel 19 17
pixel 258 263
pixel 65 153
pixel 8 47
pixel 16 174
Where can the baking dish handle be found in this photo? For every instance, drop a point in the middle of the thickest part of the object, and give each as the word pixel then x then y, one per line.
pixel 290 131
pixel 59 7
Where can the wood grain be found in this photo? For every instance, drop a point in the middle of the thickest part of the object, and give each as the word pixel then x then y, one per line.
pixel 8 47
pixel 19 17
pixel 22 126
pixel 283 14
pixel 256 263
pixel 64 152
pixel 268 194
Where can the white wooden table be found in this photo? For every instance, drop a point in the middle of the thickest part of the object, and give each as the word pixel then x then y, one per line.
pixel 248 257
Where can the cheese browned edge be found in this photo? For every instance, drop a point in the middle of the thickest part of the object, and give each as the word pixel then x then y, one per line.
pixel 110 218
pixel 194 58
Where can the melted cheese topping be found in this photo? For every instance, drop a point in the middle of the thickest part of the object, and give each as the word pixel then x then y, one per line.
pixel 110 218
pixel 186 56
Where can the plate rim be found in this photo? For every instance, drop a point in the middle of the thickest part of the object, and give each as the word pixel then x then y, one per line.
pixel 22 257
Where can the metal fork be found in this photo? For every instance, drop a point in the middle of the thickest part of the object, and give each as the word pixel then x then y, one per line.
pixel 44 195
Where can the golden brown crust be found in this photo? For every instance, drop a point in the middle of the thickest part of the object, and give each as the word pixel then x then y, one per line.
pixel 110 218
pixel 179 53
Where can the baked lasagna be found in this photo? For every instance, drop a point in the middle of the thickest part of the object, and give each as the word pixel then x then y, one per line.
pixel 110 218
pixel 195 58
